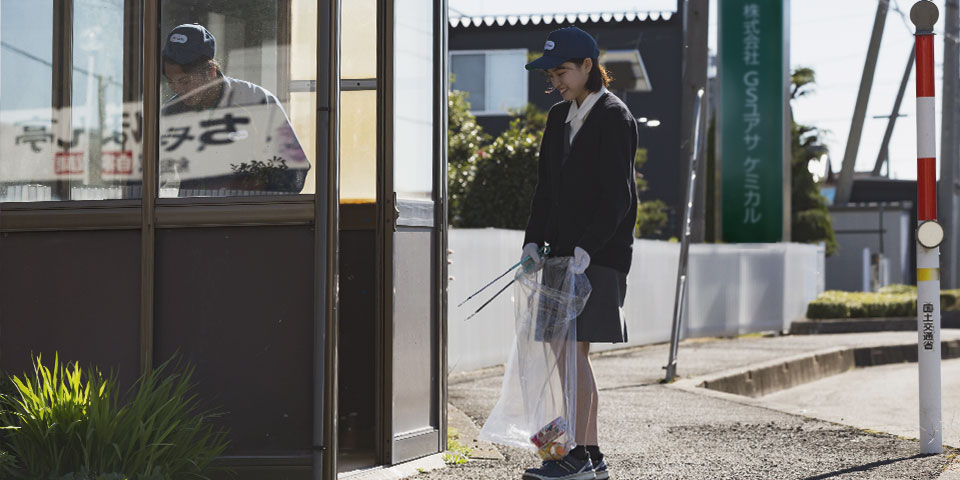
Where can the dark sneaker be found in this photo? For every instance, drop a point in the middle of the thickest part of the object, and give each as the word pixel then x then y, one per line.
pixel 600 468
pixel 567 468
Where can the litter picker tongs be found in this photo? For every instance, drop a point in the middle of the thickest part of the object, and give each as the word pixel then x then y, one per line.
pixel 544 251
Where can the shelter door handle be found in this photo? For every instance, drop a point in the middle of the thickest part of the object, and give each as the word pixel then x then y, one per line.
pixel 396 212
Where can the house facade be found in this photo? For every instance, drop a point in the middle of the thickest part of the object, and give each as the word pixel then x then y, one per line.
pixel 644 52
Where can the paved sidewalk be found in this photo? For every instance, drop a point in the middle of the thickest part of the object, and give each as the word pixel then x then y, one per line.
pixel 884 398
pixel 654 431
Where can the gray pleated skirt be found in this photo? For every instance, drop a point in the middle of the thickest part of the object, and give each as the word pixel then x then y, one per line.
pixel 602 319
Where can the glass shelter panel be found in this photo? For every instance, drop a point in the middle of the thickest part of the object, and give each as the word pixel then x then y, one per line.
pixel 358 39
pixel 70 110
pixel 358 147
pixel 235 89
pixel 303 98
pixel 413 91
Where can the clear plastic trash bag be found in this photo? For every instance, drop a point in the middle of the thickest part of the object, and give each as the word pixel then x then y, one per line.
pixel 537 406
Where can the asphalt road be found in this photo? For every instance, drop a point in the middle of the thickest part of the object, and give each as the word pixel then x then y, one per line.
pixel 884 398
pixel 653 431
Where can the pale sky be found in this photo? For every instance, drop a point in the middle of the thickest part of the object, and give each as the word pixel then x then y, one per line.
pixel 830 36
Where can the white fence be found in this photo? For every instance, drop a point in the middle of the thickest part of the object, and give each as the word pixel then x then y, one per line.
pixel 733 289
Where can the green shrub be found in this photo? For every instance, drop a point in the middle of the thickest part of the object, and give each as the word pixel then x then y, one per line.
pixel 948 299
pixel 651 218
pixel 827 309
pixel 7 463
pixel 506 175
pixel 84 475
pixel 6 388
pixel 651 214
pixel 814 226
pixel 890 301
pixel 465 141
pixel 809 219
pixel 64 423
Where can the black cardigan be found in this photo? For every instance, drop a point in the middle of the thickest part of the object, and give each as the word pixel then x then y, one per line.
pixel 589 200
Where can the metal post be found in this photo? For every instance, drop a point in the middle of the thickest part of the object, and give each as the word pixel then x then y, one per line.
pixel 845 183
pixel 695 56
pixel 326 245
pixel 151 149
pixel 924 15
pixel 949 150
pixel 671 366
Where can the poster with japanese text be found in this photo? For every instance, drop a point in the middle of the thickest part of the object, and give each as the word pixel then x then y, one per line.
pixel 754 140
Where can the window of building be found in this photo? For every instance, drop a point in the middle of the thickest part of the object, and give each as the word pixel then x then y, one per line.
pixel 237 110
pixel 495 80
pixel 627 69
pixel 237 89
pixel 70 111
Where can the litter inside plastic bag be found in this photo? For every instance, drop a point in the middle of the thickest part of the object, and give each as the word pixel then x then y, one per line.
pixel 537 406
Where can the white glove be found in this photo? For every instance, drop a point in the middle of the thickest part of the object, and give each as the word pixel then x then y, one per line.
pixel 581 260
pixel 531 250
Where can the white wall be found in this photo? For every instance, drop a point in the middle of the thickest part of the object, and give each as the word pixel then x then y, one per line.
pixel 733 289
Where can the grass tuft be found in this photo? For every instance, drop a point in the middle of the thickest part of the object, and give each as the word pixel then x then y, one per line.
pixel 64 423
pixel 457 453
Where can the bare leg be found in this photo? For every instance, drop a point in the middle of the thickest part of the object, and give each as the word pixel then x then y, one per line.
pixel 587 394
pixel 588 398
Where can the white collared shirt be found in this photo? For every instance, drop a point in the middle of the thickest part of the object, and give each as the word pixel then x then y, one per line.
pixel 577 115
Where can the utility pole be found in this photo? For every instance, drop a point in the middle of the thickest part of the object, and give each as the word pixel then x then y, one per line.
pixel 696 15
pixel 845 183
pixel 949 151
pixel 693 131
pixel 884 155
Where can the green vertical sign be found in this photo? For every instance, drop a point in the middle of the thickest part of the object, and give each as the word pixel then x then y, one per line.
pixel 753 139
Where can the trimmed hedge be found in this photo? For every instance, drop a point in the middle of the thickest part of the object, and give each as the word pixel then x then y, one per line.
pixel 890 301
pixel 899 288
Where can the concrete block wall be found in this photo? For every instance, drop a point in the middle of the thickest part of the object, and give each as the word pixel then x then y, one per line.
pixel 733 289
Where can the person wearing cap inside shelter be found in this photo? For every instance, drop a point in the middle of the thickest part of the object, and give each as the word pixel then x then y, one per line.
pixel 221 135
pixel 585 206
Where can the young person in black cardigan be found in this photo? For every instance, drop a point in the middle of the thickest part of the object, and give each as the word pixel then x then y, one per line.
pixel 585 206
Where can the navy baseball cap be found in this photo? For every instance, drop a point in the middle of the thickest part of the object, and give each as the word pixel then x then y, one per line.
pixel 189 43
pixel 565 44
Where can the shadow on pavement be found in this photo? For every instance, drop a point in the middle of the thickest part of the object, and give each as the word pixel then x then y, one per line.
pixel 624 387
pixel 868 466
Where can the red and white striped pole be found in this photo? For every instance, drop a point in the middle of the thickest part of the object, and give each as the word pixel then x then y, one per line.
pixel 924 15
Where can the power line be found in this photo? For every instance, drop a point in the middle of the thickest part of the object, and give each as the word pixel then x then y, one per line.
pixel 50 64
pixel 896 8
pixel 27 54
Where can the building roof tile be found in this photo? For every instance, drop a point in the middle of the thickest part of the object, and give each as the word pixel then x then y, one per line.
pixel 596 17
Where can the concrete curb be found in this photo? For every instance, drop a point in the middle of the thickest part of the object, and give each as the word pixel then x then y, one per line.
pixel 469 431
pixel 765 378
pixel 399 471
